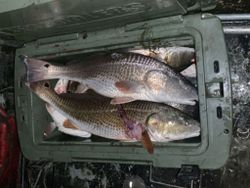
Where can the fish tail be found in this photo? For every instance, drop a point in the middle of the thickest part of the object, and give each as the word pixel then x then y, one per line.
pixel 36 69
pixel 146 142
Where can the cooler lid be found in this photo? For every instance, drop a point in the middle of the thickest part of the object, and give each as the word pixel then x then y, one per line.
pixel 26 20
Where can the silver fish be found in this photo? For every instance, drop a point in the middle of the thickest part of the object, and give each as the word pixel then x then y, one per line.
pixel 67 86
pixel 124 77
pixel 176 57
pixel 96 115
pixel 62 124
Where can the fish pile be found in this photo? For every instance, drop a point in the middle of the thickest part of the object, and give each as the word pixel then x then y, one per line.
pixel 126 96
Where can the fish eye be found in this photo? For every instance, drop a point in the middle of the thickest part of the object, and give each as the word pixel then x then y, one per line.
pixel 46 84
pixel 46 65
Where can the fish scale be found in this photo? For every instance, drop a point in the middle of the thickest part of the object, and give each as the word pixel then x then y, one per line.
pixel 83 112
pixel 125 77
pixel 93 113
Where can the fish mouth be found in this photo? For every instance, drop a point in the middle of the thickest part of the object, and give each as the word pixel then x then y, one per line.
pixel 184 136
pixel 195 133
pixel 191 102
pixel 192 133
pixel 157 137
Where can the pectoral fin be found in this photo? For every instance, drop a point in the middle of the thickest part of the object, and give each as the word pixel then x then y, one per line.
pixel 135 130
pixel 146 142
pixel 61 86
pixel 121 100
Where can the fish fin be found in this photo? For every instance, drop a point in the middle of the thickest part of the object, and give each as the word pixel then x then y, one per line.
pixel 155 79
pixel 67 86
pixel 61 86
pixel 146 142
pixel 74 132
pixel 69 125
pixel 64 125
pixel 36 69
pixel 49 108
pixel 49 129
pixel 121 100
pixel 81 88
pixel 128 86
pixel 69 128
